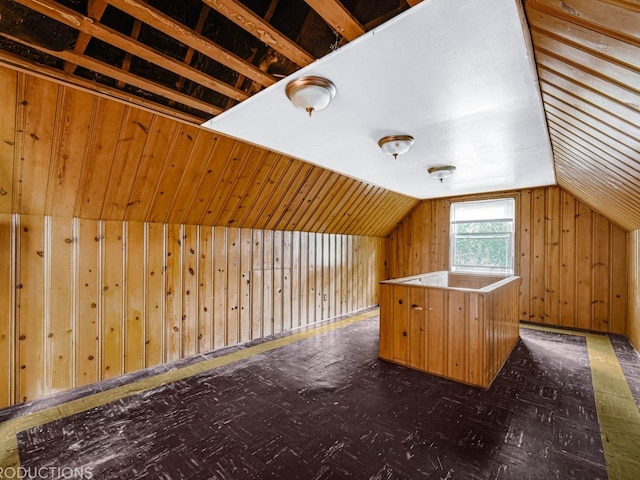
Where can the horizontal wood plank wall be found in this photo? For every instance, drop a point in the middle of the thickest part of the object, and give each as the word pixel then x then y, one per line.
pixel 633 330
pixel 84 300
pixel 572 260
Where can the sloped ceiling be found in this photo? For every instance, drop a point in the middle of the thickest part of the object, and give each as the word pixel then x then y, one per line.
pixel 465 91
pixel 66 152
pixel 144 157
pixel 70 153
pixel 588 57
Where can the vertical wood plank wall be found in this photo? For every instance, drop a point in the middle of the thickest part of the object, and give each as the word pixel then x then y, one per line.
pixel 572 260
pixel 633 329
pixel 84 300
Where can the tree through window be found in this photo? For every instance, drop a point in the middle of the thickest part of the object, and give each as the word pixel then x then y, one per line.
pixel 482 236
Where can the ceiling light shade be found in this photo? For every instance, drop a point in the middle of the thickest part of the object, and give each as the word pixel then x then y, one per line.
pixel 440 173
pixel 395 144
pixel 310 93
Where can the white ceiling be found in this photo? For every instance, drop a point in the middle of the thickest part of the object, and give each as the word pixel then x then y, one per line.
pixel 458 76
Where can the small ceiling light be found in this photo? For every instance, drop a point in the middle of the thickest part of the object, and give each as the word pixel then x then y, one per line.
pixel 440 173
pixel 310 93
pixel 395 144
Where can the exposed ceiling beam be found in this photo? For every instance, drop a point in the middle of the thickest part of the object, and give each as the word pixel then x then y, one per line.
pixel 164 23
pixel 95 9
pixel 261 29
pixel 126 63
pixel 267 17
pixel 118 74
pixel 59 76
pixel 90 28
pixel 413 3
pixel 188 57
pixel 338 18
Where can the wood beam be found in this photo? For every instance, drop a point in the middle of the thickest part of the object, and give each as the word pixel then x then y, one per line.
pixel 338 18
pixel 261 29
pixel 190 38
pixel 188 57
pixel 267 17
pixel 126 64
pixel 87 26
pixel 95 10
pixel 117 74
pixel 29 67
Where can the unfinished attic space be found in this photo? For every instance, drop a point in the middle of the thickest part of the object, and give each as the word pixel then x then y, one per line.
pixel 320 240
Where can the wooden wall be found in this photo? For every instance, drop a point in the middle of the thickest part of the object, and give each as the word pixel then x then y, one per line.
pixel 69 153
pixel 587 54
pixel 85 300
pixel 633 330
pixel 572 260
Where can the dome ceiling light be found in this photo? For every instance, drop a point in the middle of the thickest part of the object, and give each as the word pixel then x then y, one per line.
pixel 395 144
pixel 440 173
pixel 311 94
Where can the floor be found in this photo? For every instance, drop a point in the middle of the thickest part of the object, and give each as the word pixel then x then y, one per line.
pixel 319 404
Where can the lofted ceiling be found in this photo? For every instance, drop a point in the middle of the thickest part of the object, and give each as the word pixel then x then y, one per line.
pixel 466 90
pixel 104 100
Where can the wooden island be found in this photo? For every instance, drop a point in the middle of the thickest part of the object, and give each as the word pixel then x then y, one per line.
pixel 462 327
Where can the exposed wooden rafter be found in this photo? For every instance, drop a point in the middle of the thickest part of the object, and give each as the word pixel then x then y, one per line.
pixel 90 28
pixel 42 71
pixel 236 70
pixel 338 18
pixel 162 22
pixel 261 29
pixel 95 10
pixel 102 68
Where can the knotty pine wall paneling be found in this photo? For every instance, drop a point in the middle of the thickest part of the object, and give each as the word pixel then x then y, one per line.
pixel 633 329
pixel 7 310
pixel 67 153
pixel 572 260
pixel 84 300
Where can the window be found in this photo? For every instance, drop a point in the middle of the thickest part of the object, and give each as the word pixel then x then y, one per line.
pixel 482 236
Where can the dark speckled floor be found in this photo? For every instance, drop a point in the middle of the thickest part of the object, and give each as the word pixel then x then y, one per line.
pixel 327 408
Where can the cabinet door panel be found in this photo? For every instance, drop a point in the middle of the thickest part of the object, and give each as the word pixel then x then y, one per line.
pixel 386 322
pixel 457 336
pixel 417 327
pixel 400 324
pixel 437 325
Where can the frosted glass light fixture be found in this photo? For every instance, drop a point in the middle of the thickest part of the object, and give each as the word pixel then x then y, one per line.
pixel 311 94
pixel 440 173
pixel 395 145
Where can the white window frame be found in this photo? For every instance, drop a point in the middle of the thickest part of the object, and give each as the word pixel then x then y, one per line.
pixel 507 270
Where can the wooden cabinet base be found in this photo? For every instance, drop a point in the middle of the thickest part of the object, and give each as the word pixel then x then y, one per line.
pixel 464 334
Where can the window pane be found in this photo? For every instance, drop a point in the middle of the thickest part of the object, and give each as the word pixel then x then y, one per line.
pixel 485 210
pixel 483 252
pixel 483 227
pixel 482 236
